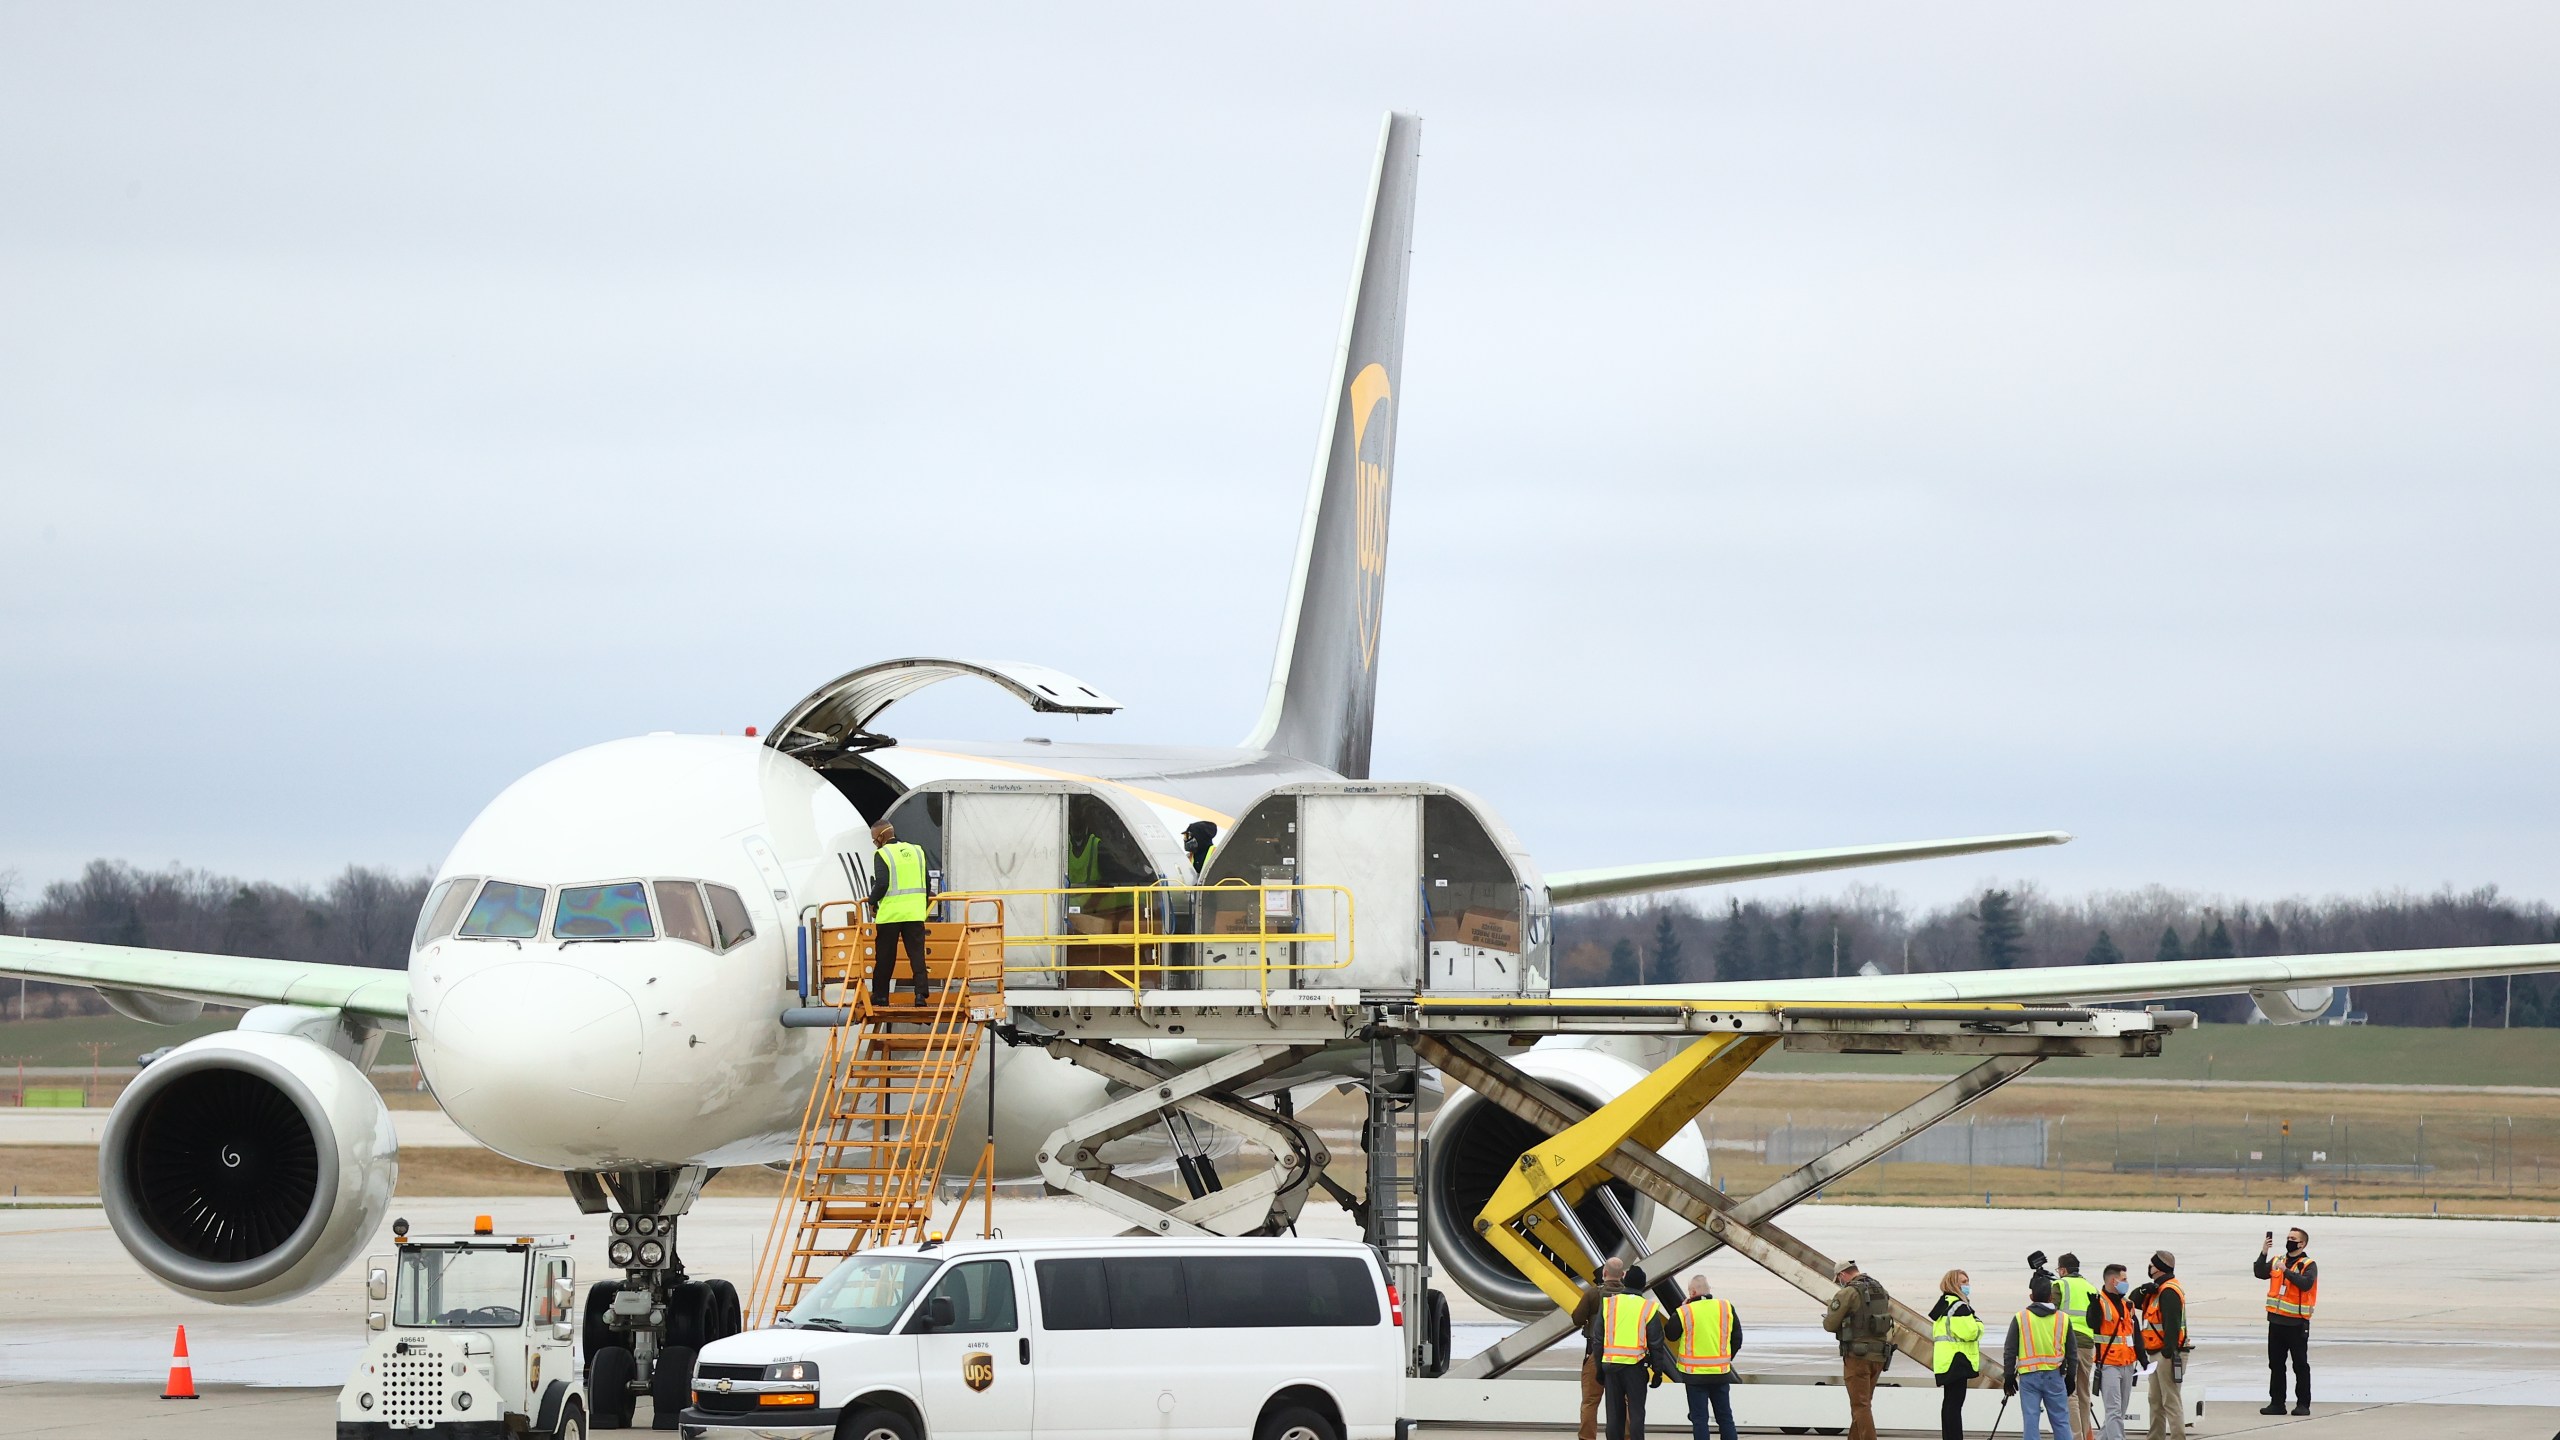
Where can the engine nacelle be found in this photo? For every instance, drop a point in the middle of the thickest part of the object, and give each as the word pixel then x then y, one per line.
pixel 1475 1144
pixel 246 1168
pixel 2294 1007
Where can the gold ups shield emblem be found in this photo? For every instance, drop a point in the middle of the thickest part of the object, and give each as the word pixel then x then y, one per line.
pixel 978 1369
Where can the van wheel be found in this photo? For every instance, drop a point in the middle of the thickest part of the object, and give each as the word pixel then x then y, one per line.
pixel 609 1387
pixel 876 1424
pixel 573 1423
pixel 1295 1422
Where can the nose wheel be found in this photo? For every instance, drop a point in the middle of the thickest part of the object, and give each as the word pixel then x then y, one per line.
pixel 643 1331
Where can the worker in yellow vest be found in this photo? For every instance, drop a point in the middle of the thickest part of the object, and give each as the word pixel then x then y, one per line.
pixel 900 882
pixel 1627 1330
pixel 2114 1326
pixel 2293 1287
pixel 2072 1294
pixel 1955 1349
pixel 2039 1361
pixel 1710 1334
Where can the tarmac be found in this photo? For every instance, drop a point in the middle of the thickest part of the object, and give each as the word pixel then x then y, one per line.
pixel 2445 1327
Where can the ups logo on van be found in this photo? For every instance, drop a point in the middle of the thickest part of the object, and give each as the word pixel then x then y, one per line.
pixel 978 1369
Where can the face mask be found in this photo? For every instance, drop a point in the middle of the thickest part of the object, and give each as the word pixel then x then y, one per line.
pixel 2118 1287
pixel 1965 1290
pixel 2293 1247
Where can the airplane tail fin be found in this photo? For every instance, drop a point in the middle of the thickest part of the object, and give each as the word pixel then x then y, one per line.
pixel 1324 676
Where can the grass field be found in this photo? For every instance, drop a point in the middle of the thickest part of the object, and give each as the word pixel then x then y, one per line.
pixel 2302 1054
pixel 66 1042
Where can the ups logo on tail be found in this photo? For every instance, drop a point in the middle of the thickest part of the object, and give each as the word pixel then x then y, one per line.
pixel 1372 433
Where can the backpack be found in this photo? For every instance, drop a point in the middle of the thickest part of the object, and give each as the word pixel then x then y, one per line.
pixel 1868 1329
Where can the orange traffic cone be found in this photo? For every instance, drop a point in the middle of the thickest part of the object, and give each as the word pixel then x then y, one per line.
pixel 182 1374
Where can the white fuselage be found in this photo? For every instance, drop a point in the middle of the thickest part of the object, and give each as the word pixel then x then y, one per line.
pixel 594 1054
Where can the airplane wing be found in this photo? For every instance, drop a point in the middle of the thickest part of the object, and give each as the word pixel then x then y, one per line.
pixel 1571 886
pixel 2149 980
pixel 378 995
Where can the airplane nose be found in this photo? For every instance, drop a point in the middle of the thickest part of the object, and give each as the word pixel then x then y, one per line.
pixel 534 1058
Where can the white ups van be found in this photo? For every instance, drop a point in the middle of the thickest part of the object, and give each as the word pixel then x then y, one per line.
pixel 1091 1339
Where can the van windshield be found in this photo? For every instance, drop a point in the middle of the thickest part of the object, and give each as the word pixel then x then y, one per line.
pixel 864 1294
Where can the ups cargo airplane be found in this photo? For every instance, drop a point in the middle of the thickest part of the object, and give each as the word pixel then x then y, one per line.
pixel 598 970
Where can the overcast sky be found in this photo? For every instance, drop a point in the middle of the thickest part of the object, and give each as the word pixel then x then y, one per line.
pixel 1820 425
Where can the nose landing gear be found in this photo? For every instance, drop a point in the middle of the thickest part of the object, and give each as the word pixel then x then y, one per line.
pixel 642 1332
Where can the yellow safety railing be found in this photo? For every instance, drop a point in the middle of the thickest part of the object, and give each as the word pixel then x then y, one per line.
pixel 1153 912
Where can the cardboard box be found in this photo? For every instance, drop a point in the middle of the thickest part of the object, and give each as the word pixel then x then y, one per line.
pixel 1239 921
pixel 1086 924
pixel 1490 929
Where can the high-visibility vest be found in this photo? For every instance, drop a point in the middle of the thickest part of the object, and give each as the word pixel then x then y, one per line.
pixel 905 898
pixel 1952 1335
pixel 1623 1319
pixel 2287 1299
pixel 2115 1335
pixel 1084 865
pixel 1706 1338
pixel 2076 1293
pixel 2040 1341
pixel 2150 1319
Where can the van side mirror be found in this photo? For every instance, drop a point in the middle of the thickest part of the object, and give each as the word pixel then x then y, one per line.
pixel 376 1320
pixel 377 1284
pixel 564 1293
pixel 940 1313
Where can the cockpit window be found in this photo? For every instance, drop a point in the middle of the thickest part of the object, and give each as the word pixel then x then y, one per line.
pixel 729 913
pixel 680 910
pixel 603 912
pixel 436 918
pixel 505 911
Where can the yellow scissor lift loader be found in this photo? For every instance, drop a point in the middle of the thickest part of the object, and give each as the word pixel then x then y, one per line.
pixel 1530 1219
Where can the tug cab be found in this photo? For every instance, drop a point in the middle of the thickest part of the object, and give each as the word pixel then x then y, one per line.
pixel 468 1335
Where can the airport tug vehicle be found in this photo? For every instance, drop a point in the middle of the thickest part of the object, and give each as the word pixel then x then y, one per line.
pixel 472 1336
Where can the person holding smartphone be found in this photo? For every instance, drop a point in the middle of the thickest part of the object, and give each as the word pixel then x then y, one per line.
pixel 2293 1287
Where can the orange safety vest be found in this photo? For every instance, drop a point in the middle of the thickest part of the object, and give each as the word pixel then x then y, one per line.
pixel 1623 1319
pixel 2115 1333
pixel 1706 1338
pixel 2287 1299
pixel 2040 1341
pixel 2150 1318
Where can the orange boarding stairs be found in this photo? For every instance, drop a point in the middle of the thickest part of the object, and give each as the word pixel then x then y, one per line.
pixel 886 1102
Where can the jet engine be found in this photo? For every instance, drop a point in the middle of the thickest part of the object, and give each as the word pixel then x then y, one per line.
pixel 2294 1007
pixel 246 1168
pixel 1475 1144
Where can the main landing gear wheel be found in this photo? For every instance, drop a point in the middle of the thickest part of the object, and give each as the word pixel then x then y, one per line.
pixel 690 1308
pixel 609 1375
pixel 728 1315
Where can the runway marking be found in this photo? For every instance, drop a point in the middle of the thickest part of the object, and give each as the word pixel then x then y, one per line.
pixel 53 1230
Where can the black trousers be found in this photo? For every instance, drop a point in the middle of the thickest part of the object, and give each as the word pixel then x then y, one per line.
pixel 884 968
pixel 2288 1342
pixel 1622 1389
pixel 1951 1404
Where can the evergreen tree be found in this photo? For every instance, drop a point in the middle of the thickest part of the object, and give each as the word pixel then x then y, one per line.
pixel 1666 948
pixel 2104 952
pixel 1799 945
pixel 2171 947
pixel 2000 942
pixel 1733 945
pixel 1622 962
pixel 2215 944
pixel 2267 940
pixel 1769 953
